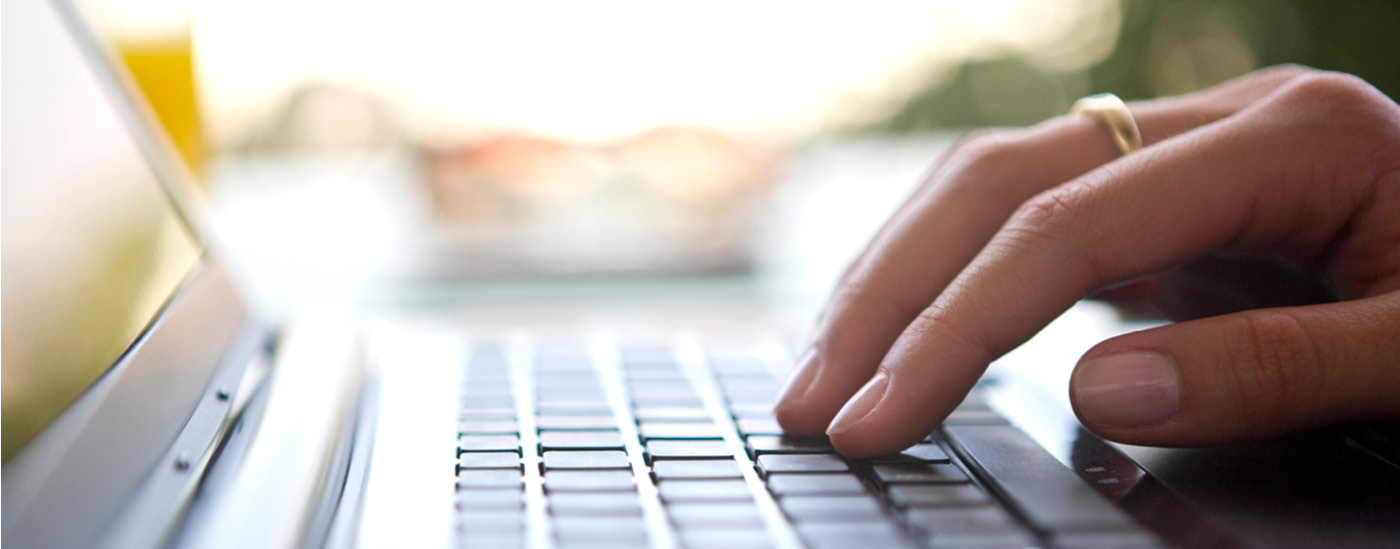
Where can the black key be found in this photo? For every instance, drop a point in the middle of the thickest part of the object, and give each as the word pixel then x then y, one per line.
pixel 801 463
pixel 488 443
pixel 487 427
pixel 671 414
pixel 488 460
pixel 814 484
pixel 595 504
pixel 703 490
pixel 581 440
pixel 586 459
pixel 588 481
pixel 575 423
pixel 687 449
pixel 759 426
pixel 844 535
pixel 693 515
pixel 1050 495
pixel 861 508
pixel 600 531
pixel 489 478
pixel 764 444
pixel 937 495
pixel 919 452
pixel 499 499
pixel 895 473
pixel 696 469
pixel 651 430
pixel 961 521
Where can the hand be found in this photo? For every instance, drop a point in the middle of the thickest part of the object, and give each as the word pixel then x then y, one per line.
pixel 1279 189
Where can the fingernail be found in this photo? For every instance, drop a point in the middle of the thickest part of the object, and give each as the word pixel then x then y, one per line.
pixel 1130 389
pixel 799 380
pixel 860 405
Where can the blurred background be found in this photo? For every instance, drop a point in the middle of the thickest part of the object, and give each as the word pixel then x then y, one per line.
pixel 424 139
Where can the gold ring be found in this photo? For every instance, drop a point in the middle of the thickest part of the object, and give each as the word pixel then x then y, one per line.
pixel 1109 110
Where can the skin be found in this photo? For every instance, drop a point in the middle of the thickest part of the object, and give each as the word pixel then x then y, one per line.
pixel 1263 214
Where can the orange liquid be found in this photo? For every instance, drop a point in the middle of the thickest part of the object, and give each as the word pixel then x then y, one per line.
pixel 165 73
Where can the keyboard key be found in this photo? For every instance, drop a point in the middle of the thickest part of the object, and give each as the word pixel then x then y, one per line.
pixel 961 521
pixel 654 413
pixel 1051 496
pixel 600 531
pixel 581 440
pixel 588 481
pixel 678 401
pixel 595 504
pixel 575 423
pixel 759 426
pixel 490 414
pixel 801 463
pixel 573 410
pixel 487 427
pixel 651 430
pixel 586 459
pixel 895 473
pixel 750 410
pixel 488 460
pixel 1114 540
pixel 687 449
pixel 696 469
pixel 843 535
pixel 703 490
pixel 916 453
pixel 861 508
pixel 725 538
pixel 489 478
pixel 1002 540
pixel 763 444
pixel 937 495
pixel 689 516
pixel 488 443
pixel 489 402
pixel 482 521
pixel 499 499
pixel 814 484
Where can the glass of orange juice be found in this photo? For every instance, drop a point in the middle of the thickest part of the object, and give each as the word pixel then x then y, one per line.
pixel 154 40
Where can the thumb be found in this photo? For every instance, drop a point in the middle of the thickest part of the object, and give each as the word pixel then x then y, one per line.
pixel 1245 375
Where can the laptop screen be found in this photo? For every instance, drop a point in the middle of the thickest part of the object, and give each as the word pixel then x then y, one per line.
pixel 92 248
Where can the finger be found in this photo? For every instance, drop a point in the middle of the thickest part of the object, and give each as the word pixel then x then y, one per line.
pixel 945 224
pixel 1244 376
pixel 1233 185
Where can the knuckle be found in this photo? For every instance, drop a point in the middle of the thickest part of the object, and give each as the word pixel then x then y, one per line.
pixel 1335 97
pixel 1049 215
pixel 1273 362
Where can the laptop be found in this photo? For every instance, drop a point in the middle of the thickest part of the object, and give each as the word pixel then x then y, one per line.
pixel 145 406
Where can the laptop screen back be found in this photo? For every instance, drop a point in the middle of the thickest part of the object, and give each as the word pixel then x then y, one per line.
pixel 92 248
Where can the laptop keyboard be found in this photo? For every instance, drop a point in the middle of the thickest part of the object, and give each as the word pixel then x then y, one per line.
pixel 567 444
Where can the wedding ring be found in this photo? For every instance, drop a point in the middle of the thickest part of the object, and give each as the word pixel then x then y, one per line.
pixel 1110 111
